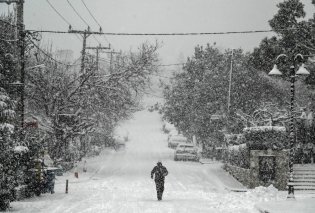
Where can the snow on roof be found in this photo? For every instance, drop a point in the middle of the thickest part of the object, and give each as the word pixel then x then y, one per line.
pixel 20 149
pixel 264 129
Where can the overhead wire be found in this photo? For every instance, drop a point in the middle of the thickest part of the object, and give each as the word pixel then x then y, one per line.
pixel 78 14
pixel 163 34
pixel 94 18
pixel 61 16
pixel 90 13
pixel 96 39
pixel 50 57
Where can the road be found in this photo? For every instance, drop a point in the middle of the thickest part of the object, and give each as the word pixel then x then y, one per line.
pixel 120 181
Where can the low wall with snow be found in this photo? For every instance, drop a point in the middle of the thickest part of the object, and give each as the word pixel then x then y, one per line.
pixel 240 174
pixel 266 167
pixel 260 174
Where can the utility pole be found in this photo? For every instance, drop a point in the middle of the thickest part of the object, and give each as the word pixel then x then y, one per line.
pixel 85 34
pixel 230 83
pixel 98 48
pixel 111 60
pixel 21 47
pixel 21 34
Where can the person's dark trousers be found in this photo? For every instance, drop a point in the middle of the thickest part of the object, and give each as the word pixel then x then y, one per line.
pixel 159 189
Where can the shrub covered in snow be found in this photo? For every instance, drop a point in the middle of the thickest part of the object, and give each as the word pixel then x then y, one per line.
pixel 238 155
pixel 266 137
pixel 7 161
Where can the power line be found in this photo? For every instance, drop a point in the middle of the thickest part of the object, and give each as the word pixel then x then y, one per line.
pixel 165 34
pixel 94 19
pixel 49 56
pixel 90 13
pixel 96 39
pixel 61 16
pixel 78 14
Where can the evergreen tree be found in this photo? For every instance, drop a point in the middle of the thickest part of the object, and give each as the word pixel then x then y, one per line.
pixel 294 35
pixel 7 105
pixel 7 160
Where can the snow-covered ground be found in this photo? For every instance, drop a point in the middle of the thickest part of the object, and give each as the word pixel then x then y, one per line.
pixel 288 206
pixel 120 181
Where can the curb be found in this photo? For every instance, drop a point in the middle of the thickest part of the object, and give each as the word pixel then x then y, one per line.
pixel 236 190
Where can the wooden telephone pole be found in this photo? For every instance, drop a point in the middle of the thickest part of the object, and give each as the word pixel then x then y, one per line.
pixel 111 60
pixel 21 48
pixel 85 34
pixel 98 48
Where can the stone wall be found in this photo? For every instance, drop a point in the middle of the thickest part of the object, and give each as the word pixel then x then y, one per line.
pixel 240 174
pixel 255 176
pixel 281 168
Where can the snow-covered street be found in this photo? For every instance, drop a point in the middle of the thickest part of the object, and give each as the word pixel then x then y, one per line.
pixel 120 181
pixel 153 106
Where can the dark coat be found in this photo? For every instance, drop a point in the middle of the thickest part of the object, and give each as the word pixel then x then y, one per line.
pixel 159 173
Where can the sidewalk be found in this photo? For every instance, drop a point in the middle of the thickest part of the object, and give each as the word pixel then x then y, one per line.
pixel 306 205
pixel 228 181
pixel 206 161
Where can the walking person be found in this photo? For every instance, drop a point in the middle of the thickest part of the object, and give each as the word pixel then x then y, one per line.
pixel 159 172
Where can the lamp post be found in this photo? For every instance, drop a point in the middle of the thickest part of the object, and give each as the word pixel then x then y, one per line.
pixel 293 74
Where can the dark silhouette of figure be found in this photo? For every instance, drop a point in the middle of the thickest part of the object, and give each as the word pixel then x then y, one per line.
pixel 159 172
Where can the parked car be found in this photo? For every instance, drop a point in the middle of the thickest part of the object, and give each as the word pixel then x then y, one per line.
pixel 186 151
pixel 174 140
pixel 167 127
pixel 120 143
pixel 172 133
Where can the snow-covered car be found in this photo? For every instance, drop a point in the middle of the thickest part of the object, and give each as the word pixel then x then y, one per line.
pixel 120 143
pixel 174 140
pixel 167 127
pixel 172 133
pixel 186 151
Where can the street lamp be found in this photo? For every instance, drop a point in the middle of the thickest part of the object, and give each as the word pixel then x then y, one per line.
pixel 293 74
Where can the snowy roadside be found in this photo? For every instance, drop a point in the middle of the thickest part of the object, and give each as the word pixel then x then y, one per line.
pixel 306 205
pixel 92 165
pixel 120 181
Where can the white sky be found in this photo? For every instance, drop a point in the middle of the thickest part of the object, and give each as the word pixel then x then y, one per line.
pixel 156 16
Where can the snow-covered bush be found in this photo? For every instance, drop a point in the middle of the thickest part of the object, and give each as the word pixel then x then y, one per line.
pixel 266 137
pixel 238 155
pixel 7 160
